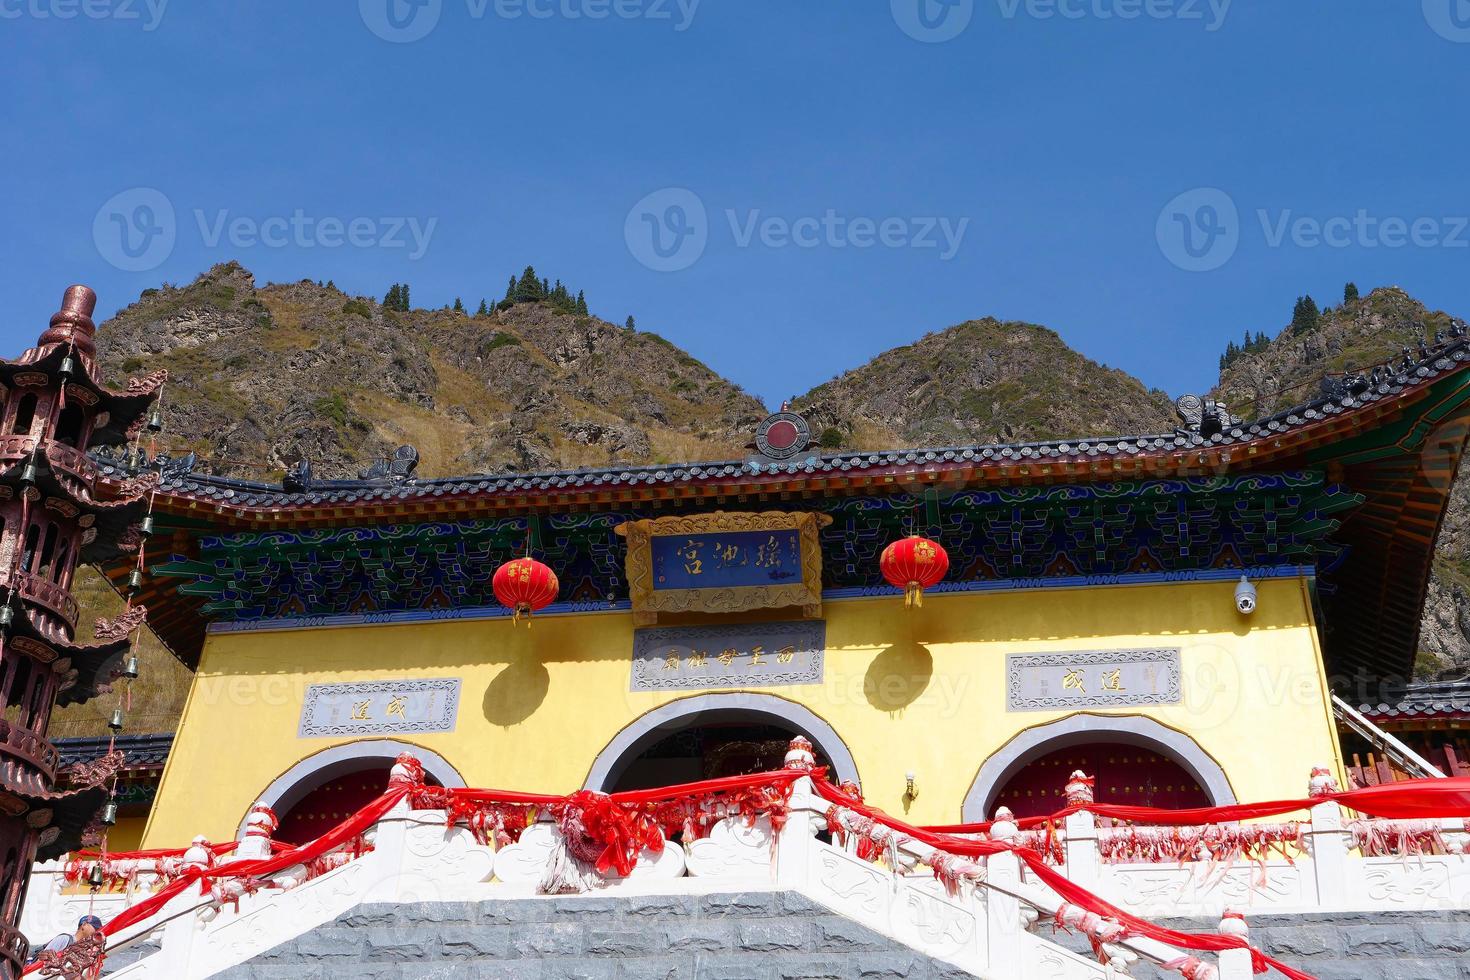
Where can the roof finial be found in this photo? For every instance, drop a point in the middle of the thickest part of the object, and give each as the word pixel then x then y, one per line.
pixel 73 322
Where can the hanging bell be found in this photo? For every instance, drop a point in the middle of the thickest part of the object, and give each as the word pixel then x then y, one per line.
pixel 116 721
pixel 155 421
pixel 146 528
pixel 130 669
pixel 135 580
pixel 7 617
pixel 29 474
pixel 109 814
pixel 68 366
pixel 94 877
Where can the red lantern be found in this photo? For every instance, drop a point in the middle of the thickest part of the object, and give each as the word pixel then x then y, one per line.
pixel 914 564
pixel 525 585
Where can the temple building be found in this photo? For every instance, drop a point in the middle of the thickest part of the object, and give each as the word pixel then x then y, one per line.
pixel 1196 618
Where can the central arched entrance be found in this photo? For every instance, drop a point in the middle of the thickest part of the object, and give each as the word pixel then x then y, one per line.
pixel 713 735
pixel 1128 774
pixel 1134 759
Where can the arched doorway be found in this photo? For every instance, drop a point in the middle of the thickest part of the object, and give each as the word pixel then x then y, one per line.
pixel 328 781
pixel 709 750
pixel 1146 756
pixel 334 800
pixel 1128 774
pixel 711 735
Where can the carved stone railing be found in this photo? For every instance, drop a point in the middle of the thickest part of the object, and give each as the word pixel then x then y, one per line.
pixel 1328 874
pixel 992 921
pixel 31 748
pixel 985 929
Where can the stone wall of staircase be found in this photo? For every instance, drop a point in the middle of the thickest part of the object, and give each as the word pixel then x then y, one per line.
pixel 1349 946
pixel 741 936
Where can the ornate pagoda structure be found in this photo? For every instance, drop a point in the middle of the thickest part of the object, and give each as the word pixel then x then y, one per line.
pixel 58 512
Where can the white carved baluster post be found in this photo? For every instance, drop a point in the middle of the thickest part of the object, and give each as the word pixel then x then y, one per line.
pixel 390 843
pixel 793 857
pixel 180 932
pixel 1005 948
pixel 1235 964
pixel 1329 843
pixel 260 828
pixel 1084 866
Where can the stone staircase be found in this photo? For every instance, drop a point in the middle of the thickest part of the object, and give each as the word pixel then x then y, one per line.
pixel 780 935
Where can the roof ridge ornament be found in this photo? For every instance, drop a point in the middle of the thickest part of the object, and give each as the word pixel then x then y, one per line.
pixel 781 437
pixel 398 468
pixel 1203 416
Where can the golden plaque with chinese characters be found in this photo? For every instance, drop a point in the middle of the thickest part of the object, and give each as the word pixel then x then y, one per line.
pixel 724 562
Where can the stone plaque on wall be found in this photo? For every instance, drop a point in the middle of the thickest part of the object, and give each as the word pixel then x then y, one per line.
pixel 1092 679
pixel 380 708
pixel 686 658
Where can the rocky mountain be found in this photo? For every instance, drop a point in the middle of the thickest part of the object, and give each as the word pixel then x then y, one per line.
pixel 1359 333
pixel 982 381
pixel 264 376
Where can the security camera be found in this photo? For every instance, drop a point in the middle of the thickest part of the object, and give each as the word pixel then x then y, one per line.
pixel 1245 597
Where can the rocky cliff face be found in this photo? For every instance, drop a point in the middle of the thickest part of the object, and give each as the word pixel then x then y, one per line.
pixel 266 376
pixel 983 381
pixel 1359 334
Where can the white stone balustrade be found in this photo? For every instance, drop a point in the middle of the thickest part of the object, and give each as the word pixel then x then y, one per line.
pixel 997 923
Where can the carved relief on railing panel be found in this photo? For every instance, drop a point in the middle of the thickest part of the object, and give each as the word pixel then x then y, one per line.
pixel 733 849
pixel 934 923
pixel 1410 883
pixel 1157 890
pixel 854 885
pixel 268 916
pixel 1046 961
pixel 524 862
pixel 446 863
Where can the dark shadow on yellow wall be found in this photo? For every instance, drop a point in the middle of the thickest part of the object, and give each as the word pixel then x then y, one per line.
pixel 898 676
pixel 517 691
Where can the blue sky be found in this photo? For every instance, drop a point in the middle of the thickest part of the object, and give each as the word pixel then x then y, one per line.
pixel 826 178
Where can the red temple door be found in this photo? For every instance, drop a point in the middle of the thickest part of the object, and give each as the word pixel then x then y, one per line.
pixel 1125 774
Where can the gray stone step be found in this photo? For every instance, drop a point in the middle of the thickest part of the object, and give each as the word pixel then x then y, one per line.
pixel 744 936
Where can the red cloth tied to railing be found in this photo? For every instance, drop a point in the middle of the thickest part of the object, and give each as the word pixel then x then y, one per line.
pixel 347 831
pixel 1064 887
pixel 624 824
pixel 1407 800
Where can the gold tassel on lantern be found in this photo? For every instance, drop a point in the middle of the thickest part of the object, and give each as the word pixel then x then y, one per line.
pixel 913 596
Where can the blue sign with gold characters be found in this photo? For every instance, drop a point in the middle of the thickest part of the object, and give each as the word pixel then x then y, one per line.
pixel 732 559
pixel 724 563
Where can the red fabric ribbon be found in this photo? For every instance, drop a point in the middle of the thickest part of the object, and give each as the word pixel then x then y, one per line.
pixel 1064 887
pixel 1406 800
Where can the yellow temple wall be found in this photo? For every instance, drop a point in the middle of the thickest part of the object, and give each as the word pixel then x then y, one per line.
pixel 918 691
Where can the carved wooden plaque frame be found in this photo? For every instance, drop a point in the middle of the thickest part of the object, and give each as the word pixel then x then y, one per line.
pixel 648 602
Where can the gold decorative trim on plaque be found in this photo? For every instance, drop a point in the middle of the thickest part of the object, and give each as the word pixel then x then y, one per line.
pixel 727 547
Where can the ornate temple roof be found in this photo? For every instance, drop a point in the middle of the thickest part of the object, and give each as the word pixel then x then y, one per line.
pixel 1391 438
pixel 139 751
pixel 1240 445
pixel 1421 701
